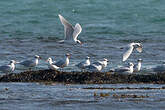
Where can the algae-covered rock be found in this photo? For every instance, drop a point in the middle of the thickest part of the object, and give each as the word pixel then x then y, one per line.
pixel 82 77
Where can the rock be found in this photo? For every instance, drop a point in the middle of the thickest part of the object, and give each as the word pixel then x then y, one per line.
pixel 82 77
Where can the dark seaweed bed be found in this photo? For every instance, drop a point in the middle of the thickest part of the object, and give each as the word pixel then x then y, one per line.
pixel 82 77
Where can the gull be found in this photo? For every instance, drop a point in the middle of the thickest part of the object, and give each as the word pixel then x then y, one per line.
pixel 131 46
pixel 160 68
pixel 63 63
pixel 51 64
pixel 83 64
pixel 97 66
pixel 137 67
pixel 124 70
pixel 94 68
pixel 103 63
pixel 8 68
pixel 71 33
pixel 31 63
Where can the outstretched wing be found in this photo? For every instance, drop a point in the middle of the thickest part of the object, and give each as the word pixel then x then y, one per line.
pixel 68 28
pixel 77 31
pixel 127 53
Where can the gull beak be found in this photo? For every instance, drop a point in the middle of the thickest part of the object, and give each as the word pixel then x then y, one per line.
pixel 81 43
pixel 17 62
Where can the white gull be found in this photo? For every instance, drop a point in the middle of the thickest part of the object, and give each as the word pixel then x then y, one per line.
pixel 125 70
pixel 51 64
pixel 31 63
pixel 83 64
pixel 63 63
pixel 71 33
pixel 131 47
pixel 137 67
pixel 8 68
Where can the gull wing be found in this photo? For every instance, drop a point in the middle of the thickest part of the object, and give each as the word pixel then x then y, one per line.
pixel 54 62
pixel 127 53
pixel 60 63
pixel 68 28
pixel 98 63
pixel 4 68
pixel 91 68
pixel 123 69
pixel 79 64
pixel 77 31
pixel 27 63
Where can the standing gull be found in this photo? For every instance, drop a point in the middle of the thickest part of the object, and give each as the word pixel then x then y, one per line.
pixel 97 66
pixel 71 33
pixel 51 64
pixel 8 68
pixel 131 46
pixel 125 70
pixel 83 64
pixel 137 67
pixel 63 63
pixel 94 68
pixel 103 63
pixel 31 63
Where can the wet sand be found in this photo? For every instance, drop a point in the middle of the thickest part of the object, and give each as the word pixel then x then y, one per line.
pixel 82 77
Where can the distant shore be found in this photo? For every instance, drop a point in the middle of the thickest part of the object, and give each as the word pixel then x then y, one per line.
pixel 82 77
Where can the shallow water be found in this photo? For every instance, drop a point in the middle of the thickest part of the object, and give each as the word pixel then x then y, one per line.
pixel 29 27
pixel 37 96
pixel 33 27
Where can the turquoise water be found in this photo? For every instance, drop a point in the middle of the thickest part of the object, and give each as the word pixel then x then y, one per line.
pixel 31 27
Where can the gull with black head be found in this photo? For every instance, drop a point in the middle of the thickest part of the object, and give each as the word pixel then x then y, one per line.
pixel 31 63
pixel 8 68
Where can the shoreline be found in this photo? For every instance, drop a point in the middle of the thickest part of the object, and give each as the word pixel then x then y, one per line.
pixel 83 77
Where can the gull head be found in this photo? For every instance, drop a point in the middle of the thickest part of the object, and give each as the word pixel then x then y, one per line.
pixel 79 42
pixel 87 58
pixel 136 44
pixel 106 60
pixel 131 64
pixel 140 60
pixel 68 55
pixel 13 62
pixel 49 60
pixel 36 56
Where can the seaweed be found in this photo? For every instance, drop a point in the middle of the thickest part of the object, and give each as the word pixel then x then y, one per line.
pixel 82 77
